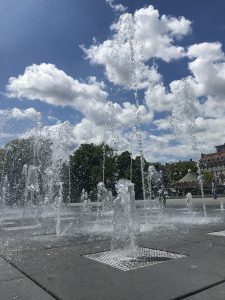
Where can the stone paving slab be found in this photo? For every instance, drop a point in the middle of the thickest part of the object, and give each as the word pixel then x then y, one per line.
pixel 58 265
pixel 216 293
pixel 7 272
pixel 66 273
pixel 22 289
pixel 97 281
pixel 48 260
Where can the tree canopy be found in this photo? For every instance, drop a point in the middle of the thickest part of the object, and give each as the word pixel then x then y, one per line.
pixel 87 166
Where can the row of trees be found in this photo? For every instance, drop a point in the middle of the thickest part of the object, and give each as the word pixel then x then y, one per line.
pixel 84 170
pixel 15 155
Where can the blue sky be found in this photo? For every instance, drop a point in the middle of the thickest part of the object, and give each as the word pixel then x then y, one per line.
pixel 49 34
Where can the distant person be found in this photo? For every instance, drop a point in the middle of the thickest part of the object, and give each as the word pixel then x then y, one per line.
pixel 214 189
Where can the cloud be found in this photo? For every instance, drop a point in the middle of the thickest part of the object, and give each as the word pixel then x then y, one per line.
pixel 136 39
pixel 29 113
pixel 51 85
pixel 208 51
pixel 47 83
pixel 126 115
pixel 213 107
pixel 162 124
pixel 116 7
pixel 15 114
pixel 18 114
pixel 87 132
pixel 208 68
pixel 53 119
pixel 157 98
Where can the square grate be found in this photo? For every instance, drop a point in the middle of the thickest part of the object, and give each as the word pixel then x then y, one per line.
pixel 145 257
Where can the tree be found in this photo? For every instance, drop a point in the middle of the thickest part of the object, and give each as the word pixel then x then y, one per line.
pixel 87 168
pixel 18 153
pixel 137 176
pixel 176 171
pixel 207 177
pixel 124 165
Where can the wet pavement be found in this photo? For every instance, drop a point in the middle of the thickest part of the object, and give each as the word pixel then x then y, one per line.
pixel 35 264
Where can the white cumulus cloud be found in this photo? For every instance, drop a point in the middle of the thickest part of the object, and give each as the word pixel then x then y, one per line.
pixel 208 68
pixel 47 83
pixel 137 39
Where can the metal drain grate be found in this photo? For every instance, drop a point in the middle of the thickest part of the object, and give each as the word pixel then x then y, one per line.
pixel 146 257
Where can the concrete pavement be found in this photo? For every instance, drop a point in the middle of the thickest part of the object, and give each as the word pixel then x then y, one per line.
pixel 36 265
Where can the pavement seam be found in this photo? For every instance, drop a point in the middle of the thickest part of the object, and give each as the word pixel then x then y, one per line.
pixel 32 279
pixel 187 295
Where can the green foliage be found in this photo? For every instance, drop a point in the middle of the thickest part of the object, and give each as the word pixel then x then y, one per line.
pixel 176 171
pixel 18 153
pixel 137 178
pixel 86 166
pixel 124 165
pixel 207 177
pixel 84 169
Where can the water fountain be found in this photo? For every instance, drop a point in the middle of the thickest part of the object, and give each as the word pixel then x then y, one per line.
pixel 59 200
pixel 43 186
pixel 221 205
pixel 5 192
pixel 189 202
pixel 124 227
pixel 151 172
pixel 104 197
pixel 85 210
pixel 183 121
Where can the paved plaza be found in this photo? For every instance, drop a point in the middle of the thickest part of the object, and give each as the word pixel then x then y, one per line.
pixel 35 265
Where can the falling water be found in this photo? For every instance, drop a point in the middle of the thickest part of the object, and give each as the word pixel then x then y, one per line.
pixel 189 202
pixel 58 207
pixel 125 40
pixel 150 177
pixel 85 209
pixel 131 35
pixel 86 202
pixel 200 180
pixel 3 167
pixel 4 192
pixel 31 189
pixel 104 197
pixel 37 132
pixel 221 205
pixel 69 179
pixel 151 172
pixel 103 163
pixel 183 120
pixel 131 156
pixel 110 131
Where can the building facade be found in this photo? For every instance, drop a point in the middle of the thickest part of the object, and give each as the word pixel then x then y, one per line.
pixel 215 163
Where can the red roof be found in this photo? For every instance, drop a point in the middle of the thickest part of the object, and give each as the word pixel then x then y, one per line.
pixel 213 156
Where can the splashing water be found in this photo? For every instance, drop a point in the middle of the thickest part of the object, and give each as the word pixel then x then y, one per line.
pixel 183 121
pixel 127 49
pixel 189 202
pixel 59 200
pixel 4 196
pixel 124 228
pixel 104 197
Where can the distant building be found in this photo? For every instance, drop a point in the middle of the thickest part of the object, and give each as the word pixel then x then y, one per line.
pixel 215 162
